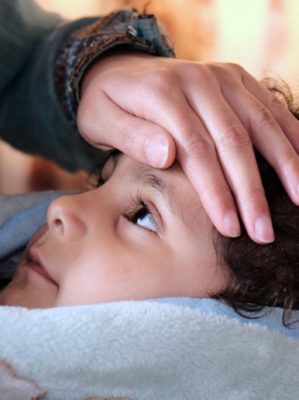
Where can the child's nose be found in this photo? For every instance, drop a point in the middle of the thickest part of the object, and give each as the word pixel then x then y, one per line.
pixel 66 217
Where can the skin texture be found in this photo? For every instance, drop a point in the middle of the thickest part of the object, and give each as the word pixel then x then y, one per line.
pixel 142 234
pixel 207 116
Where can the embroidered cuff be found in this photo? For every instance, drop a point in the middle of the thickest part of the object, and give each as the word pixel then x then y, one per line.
pixel 122 28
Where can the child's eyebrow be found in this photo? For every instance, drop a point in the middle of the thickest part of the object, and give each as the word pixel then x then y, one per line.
pixel 166 189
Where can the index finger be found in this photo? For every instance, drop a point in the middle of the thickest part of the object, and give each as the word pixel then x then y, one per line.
pixel 196 153
pixel 220 163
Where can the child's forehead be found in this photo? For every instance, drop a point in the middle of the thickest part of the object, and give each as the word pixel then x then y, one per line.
pixel 175 170
pixel 166 179
pixel 171 183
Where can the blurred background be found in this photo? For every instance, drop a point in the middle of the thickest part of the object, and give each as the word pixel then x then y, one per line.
pixel 261 35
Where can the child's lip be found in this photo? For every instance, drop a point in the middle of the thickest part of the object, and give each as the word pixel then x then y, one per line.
pixel 36 264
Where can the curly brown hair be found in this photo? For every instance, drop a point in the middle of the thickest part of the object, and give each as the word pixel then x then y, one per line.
pixel 265 275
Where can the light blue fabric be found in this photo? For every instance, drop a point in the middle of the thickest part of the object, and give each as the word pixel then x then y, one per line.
pixel 17 230
pixel 148 350
pixel 270 318
pixel 20 217
pixel 172 348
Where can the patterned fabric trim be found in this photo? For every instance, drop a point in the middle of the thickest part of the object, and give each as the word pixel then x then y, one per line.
pixel 124 28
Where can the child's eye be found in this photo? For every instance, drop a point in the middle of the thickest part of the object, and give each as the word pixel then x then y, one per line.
pixel 144 218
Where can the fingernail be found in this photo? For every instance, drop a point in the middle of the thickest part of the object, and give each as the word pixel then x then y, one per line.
pixel 231 224
pixel 263 229
pixel 156 150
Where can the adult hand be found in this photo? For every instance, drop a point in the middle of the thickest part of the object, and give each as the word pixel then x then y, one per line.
pixel 208 116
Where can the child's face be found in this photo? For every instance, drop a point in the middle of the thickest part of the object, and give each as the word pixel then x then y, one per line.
pixel 142 234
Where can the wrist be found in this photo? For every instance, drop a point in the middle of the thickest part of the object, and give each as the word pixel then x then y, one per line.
pixel 107 62
pixel 119 32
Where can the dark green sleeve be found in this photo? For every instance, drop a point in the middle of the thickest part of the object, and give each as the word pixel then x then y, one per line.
pixel 42 61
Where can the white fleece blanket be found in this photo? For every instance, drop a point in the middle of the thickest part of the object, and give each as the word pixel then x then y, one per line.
pixel 171 349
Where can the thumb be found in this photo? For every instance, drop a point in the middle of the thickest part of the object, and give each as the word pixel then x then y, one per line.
pixel 158 148
pixel 114 127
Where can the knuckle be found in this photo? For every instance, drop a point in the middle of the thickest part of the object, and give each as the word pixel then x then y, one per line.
pixel 194 71
pixel 234 136
pixel 160 81
pixel 198 70
pixel 264 116
pixel 130 138
pixel 218 191
pixel 256 195
pixel 218 69
pixel 228 70
pixel 275 103
pixel 198 147
pixel 237 68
